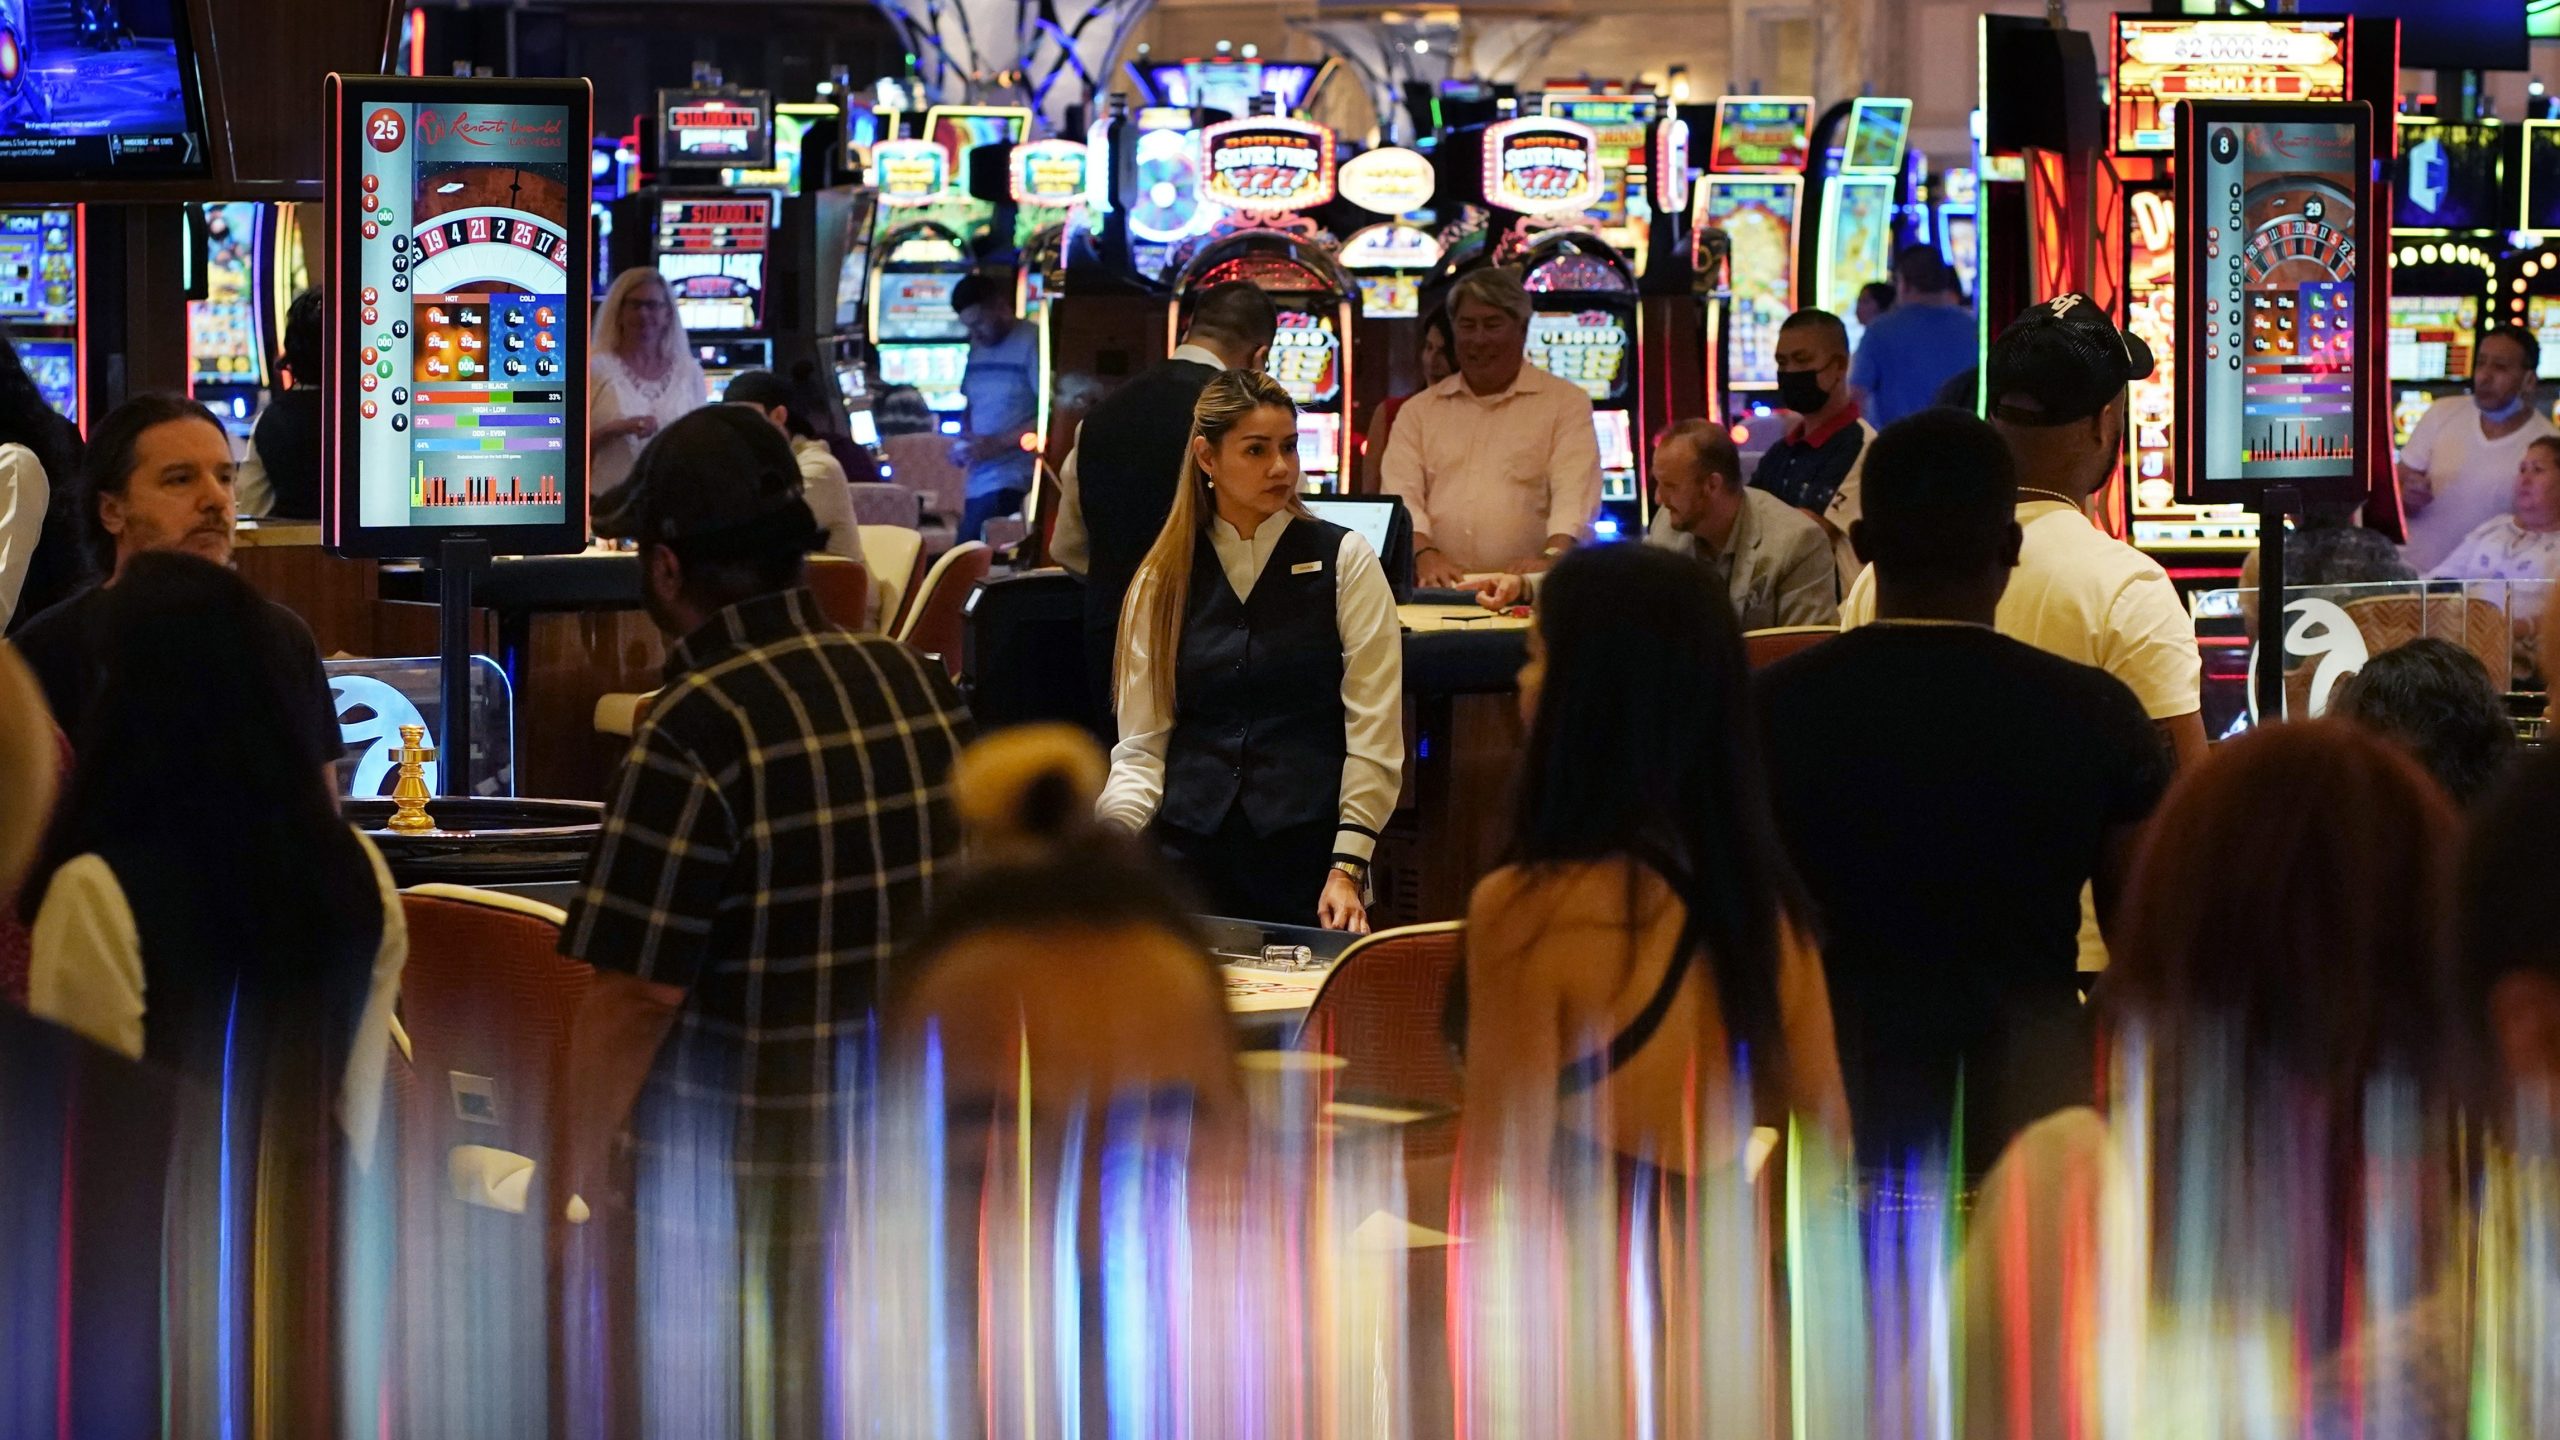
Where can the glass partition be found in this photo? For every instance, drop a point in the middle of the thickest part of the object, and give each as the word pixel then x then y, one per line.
pixel 2330 631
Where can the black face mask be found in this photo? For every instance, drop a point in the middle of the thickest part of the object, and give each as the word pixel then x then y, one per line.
pixel 1802 391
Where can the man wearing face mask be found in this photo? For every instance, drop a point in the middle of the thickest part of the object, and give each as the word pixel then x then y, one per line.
pixel 2458 470
pixel 1815 467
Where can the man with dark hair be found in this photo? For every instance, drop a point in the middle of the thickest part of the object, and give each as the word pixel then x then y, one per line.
pixel 1912 349
pixel 2435 699
pixel 1946 850
pixel 2458 470
pixel 1117 487
pixel 1002 385
pixel 280 476
pixel 783 814
pixel 1814 467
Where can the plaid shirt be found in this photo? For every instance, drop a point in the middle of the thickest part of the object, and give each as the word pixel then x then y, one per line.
pixel 785 809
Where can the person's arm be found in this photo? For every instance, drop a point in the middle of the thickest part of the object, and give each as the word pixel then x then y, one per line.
pixel 830 498
pixel 1373 722
pixel 252 493
pixel 1069 545
pixel 1135 789
pixel 1402 475
pixel 25 495
pixel 2148 641
pixel 1573 479
pixel 2411 465
pixel 1809 590
pixel 1515 1040
pixel 642 918
pixel 1858 606
pixel 2183 740
pixel 85 967
pixel 1373 455
pixel 1815 1090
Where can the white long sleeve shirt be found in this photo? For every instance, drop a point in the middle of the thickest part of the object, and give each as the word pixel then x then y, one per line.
pixel 25 494
pixel 1372 693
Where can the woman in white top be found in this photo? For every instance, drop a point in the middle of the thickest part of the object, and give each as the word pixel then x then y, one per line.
pixel 1261 678
pixel 2523 544
pixel 35 457
pixel 641 374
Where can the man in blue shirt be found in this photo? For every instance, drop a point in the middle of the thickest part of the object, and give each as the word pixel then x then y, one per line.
pixel 1927 338
pixel 1003 388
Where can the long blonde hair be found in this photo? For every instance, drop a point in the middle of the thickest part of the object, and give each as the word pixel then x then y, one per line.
pixel 1160 594
pixel 608 336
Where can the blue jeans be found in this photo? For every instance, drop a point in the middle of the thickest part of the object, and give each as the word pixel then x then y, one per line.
pixel 983 508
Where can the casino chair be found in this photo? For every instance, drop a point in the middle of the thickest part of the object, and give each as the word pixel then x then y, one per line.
pixel 884 505
pixel 936 610
pixel 843 588
pixel 485 1006
pixel 1380 1011
pixel 892 552
pixel 1768 647
pixel 923 464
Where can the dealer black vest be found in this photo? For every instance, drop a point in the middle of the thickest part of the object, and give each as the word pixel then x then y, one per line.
pixel 1128 460
pixel 1257 699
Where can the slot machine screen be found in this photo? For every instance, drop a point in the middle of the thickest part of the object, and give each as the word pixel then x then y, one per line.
pixel 1616 431
pixel 2431 337
pixel 711 128
pixel 2159 63
pixel 1306 358
pixel 1878 132
pixel 935 370
pixel 1390 297
pixel 1320 441
pixel 960 129
pixel 1759 217
pixel 1960 243
pixel 1857 243
pixel 1587 347
pixel 712 250
pixel 460 330
pixel 2274 391
pixel 1761 133
pixel 223 342
pixel 2542 317
pixel 129 107
pixel 55 367
pixel 2451 177
pixel 39 267
pixel 2151 312
pixel 2542 175
pixel 915 306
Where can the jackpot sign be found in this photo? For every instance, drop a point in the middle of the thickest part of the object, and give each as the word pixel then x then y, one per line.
pixel 1050 172
pixel 1539 166
pixel 910 172
pixel 1266 164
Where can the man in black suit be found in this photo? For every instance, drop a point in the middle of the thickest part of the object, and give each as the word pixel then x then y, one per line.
pixel 1117 487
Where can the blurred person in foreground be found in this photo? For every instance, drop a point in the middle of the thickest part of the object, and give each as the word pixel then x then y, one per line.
pixel 2435 698
pixel 783 812
pixel 201 906
pixel 1946 852
pixel 2290 1065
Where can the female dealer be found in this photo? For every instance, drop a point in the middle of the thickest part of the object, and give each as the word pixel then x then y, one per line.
pixel 1260 679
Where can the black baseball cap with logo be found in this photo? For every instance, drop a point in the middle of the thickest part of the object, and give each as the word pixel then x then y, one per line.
pixel 721 470
pixel 2061 361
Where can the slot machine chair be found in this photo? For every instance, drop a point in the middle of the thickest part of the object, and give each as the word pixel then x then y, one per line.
pixel 1022 651
pixel 935 608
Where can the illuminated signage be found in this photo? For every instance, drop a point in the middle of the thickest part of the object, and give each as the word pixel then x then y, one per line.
pixel 1266 164
pixel 2161 62
pixel 1390 180
pixel 1050 172
pixel 704 127
pixel 1670 172
pixel 910 172
pixel 1541 166
pixel 1762 133
pixel 1391 247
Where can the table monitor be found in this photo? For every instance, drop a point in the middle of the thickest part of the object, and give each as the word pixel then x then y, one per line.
pixel 1379 519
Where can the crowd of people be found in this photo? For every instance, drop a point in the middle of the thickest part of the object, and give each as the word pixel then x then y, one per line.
pixel 1830 918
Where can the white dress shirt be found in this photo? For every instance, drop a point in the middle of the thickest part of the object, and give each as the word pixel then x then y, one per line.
pixel 1489 477
pixel 25 495
pixel 1364 611
pixel 1070 545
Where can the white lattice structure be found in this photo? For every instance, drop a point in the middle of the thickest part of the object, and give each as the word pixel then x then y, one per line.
pixel 1390 49
pixel 1047 54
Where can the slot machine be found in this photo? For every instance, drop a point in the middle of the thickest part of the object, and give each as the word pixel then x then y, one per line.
pixel 1166 208
pixel 1623 120
pixel 1048 181
pixel 236 332
pixel 1389 260
pixel 2155 62
pixel 1266 170
pixel 2452 205
pixel 1856 220
pixel 1584 331
pixel 43 300
pixel 1753 192
pixel 2528 284
pixel 715 248
pixel 1959 228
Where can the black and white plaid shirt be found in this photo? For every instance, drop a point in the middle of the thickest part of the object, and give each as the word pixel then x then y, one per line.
pixel 785 810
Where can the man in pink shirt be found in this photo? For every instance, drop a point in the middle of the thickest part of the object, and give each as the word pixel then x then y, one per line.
pixel 1498 463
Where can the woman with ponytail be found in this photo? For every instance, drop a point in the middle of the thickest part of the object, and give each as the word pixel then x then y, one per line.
pixel 1260 679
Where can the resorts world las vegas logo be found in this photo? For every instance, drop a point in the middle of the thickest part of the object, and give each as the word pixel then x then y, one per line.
pixel 433 128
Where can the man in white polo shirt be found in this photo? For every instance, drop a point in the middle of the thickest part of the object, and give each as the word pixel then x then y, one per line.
pixel 2056 384
pixel 2458 470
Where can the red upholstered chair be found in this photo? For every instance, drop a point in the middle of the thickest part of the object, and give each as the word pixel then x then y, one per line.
pixel 1380 1011
pixel 843 588
pixel 485 1003
pixel 1768 647
pixel 932 622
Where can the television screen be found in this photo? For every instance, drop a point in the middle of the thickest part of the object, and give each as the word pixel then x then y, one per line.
pixel 459 208
pixel 712 250
pixel 1764 133
pixel 39 267
pixel 117 99
pixel 2275 391
pixel 2161 62
pixel 2452 177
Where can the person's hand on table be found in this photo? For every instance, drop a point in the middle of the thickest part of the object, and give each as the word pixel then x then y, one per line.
pixel 1433 570
pixel 1340 907
pixel 1499 592
pixel 638 427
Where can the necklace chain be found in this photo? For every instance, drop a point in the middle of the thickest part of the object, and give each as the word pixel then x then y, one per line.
pixel 2051 495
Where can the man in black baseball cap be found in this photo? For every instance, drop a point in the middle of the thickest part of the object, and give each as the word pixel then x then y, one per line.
pixel 2061 362
pixel 784 810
